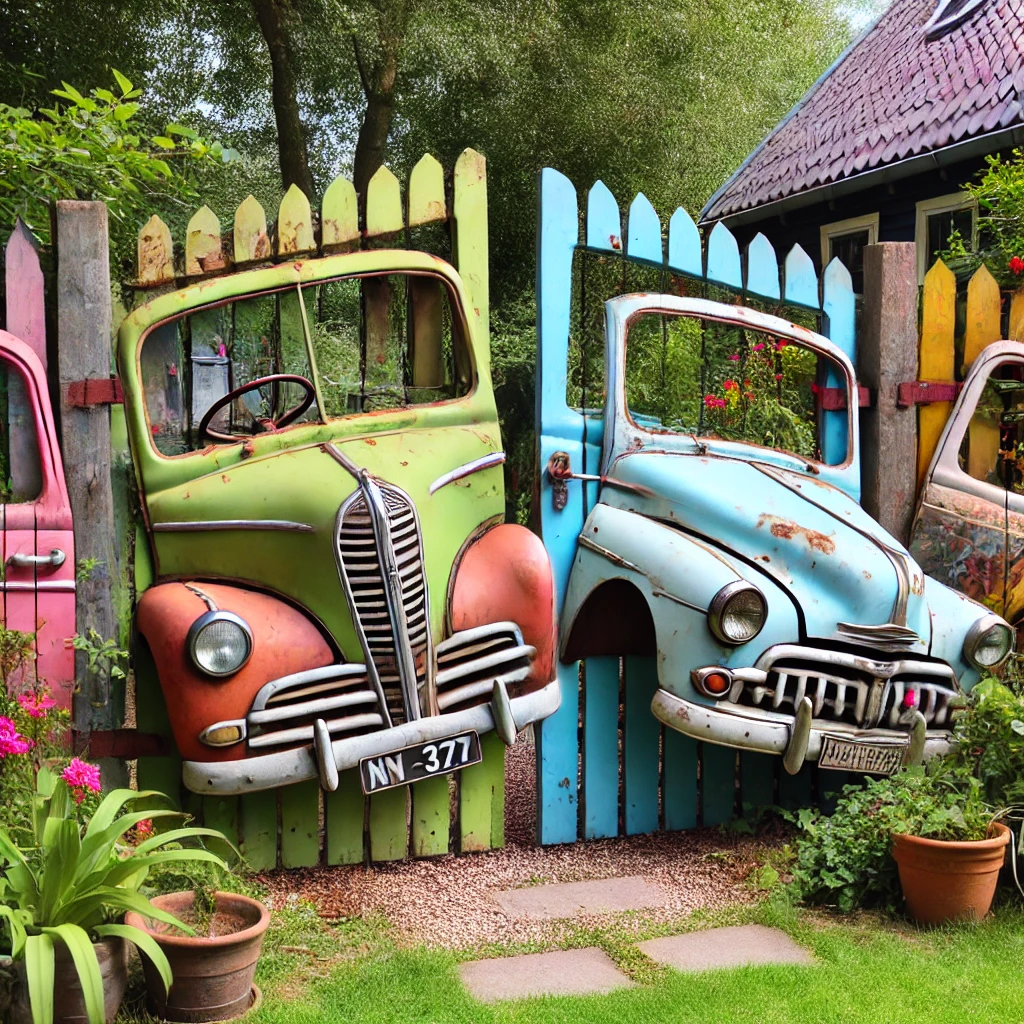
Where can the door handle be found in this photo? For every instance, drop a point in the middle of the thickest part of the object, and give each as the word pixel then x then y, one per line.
pixel 559 470
pixel 21 561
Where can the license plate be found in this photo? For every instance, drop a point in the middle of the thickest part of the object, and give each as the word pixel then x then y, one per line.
pixel 857 756
pixel 420 761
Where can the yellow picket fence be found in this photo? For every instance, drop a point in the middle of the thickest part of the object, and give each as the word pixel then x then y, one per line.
pixel 983 323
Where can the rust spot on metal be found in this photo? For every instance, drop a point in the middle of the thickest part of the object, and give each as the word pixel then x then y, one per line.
pixel 917 584
pixel 867 575
pixel 370 441
pixel 764 558
pixel 682 713
pixel 786 529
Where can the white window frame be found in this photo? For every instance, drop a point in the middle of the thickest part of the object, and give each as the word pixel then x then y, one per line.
pixel 954 202
pixel 847 227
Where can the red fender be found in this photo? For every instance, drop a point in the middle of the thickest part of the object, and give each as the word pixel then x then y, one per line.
pixel 284 641
pixel 505 575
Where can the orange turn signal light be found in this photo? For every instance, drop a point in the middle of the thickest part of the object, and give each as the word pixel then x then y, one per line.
pixel 715 683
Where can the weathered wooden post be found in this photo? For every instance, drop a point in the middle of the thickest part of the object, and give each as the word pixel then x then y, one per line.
pixel 86 390
pixel 887 357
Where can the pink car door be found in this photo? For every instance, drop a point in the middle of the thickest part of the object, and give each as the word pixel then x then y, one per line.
pixel 38 547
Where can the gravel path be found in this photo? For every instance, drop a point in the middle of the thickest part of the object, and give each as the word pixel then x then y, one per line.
pixel 449 901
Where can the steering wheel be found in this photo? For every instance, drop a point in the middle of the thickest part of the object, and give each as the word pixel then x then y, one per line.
pixel 266 425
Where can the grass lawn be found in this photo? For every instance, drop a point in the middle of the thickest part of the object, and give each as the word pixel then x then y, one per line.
pixel 869 970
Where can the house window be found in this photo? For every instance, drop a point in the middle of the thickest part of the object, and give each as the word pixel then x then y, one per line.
pixel 937 219
pixel 846 239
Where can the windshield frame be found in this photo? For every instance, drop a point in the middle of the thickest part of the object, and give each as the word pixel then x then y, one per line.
pixel 629 435
pixel 281 279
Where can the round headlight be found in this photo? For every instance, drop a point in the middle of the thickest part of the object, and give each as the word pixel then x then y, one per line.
pixel 737 612
pixel 988 642
pixel 219 643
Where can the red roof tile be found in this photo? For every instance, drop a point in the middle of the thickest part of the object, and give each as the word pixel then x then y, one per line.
pixel 894 94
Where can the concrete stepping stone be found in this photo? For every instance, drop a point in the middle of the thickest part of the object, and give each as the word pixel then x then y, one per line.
pixel 571 899
pixel 726 947
pixel 563 972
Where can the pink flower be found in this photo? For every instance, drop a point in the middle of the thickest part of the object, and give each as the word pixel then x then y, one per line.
pixel 778 376
pixel 80 776
pixel 35 705
pixel 759 346
pixel 780 345
pixel 734 358
pixel 910 699
pixel 714 402
pixel 10 741
pixel 144 828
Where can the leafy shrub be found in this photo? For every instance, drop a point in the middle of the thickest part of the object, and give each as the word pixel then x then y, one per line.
pixel 845 859
pixel 999 193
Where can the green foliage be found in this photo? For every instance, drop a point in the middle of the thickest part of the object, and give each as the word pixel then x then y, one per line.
pixel 73 880
pixel 845 859
pixel 101 653
pixel 88 147
pixel 989 742
pixel 999 193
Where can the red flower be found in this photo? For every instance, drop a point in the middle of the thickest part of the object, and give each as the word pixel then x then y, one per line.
pixel 759 346
pixel 749 396
pixel 910 699
pixel 730 385
pixel 734 358
pixel 714 402
pixel 781 344
pixel 778 376
pixel 1017 265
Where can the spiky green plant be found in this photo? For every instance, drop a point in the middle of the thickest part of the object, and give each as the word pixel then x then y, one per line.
pixel 77 880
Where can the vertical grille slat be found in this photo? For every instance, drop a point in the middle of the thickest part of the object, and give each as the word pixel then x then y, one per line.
pixel 362 564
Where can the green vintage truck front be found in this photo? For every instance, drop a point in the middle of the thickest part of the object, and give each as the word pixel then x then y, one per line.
pixel 334 584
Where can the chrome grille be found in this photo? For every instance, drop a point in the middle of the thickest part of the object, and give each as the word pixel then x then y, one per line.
pixel 284 710
pixel 361 566
pixel 847 688
pixel 470 661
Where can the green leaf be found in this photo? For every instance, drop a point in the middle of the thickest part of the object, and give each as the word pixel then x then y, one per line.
pixel 125 111
pixel 112 803
pixel 39 974
pixel 146 944
pixel 17 930
pixel 175 835
pixel 87 966
pixel 123 83
pixel 127 867
pixel 163 142
pixel 182 130
pixel 80 909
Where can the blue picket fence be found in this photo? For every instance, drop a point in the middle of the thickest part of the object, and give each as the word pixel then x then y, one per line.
pixel 605 765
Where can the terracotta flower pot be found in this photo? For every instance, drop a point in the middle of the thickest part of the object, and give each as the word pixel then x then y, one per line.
pixel 949 881
pixel 68 1004
pixel 213 973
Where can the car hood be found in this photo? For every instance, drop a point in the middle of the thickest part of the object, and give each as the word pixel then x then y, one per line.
pixel 839 565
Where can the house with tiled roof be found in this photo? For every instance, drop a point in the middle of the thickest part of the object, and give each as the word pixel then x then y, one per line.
pixel 878 147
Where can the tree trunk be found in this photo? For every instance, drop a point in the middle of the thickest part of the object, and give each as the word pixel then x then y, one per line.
pixel 373 136
pixel 378 80
pixel 274 17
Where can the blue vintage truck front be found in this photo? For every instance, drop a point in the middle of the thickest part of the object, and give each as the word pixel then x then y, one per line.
pixel 784 618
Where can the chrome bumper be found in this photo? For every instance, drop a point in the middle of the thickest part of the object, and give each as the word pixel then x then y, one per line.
pixel 772 733
pixel 325 760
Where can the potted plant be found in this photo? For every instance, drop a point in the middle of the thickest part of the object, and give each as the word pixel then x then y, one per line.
pixel 213 962
pixel 947 846
pixel 928 833
pixel 63 892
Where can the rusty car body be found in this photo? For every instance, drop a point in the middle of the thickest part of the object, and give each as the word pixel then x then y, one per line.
pixel 320 468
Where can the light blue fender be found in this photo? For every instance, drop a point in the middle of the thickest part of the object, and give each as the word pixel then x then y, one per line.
pixel 677 575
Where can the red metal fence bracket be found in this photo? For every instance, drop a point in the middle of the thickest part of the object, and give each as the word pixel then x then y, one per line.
pixel 127 744
pixel 921 392
pixel 95 391
pixel 834 399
